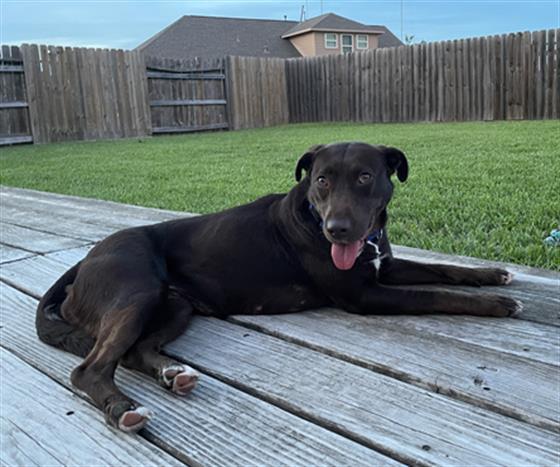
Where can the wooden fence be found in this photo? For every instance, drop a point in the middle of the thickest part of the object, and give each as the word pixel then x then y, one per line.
pixel 257 92
pixel 76 93
pixel 507 77
pixel 186 95
pixel 14 112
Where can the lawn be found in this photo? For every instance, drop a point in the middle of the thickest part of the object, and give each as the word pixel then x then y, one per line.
pixel 489 190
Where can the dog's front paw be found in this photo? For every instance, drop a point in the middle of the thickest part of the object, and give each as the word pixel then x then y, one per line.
pixel 501 306
pixel 488 276
pixel 496 276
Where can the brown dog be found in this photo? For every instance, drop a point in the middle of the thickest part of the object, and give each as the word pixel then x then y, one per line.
pixel 323 243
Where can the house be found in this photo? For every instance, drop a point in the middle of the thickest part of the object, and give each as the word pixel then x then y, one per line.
pixel 213 37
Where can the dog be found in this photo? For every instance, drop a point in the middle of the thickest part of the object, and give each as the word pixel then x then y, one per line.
pixel 324 243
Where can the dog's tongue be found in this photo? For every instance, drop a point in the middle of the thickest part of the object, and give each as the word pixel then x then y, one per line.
pixel 344 256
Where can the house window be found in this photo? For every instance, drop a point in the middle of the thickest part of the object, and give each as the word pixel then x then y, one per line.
pixel 361 41
pixel 347 41
pixel 330 41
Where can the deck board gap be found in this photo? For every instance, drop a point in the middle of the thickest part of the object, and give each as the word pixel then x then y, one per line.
pixel 401 375
pixel 304 415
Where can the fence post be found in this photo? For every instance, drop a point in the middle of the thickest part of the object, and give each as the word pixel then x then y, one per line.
pixel 231 106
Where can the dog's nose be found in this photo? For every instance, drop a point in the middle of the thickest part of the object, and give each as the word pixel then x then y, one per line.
pixel 338 227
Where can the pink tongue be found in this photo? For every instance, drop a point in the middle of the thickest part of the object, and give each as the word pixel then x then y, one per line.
pixel 344 256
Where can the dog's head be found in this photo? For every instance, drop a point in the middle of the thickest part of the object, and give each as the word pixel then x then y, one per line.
pixel 349 188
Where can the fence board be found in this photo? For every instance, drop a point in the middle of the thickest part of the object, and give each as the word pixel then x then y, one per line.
pixel 556 78
pixel 257 101
pixel 512 76
pixel 78 93
pixel 549 74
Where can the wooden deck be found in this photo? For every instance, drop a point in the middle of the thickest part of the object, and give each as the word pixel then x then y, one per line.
pixel 311 389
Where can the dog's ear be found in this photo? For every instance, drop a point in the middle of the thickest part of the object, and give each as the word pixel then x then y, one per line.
pixel 305 162
pixel 396 161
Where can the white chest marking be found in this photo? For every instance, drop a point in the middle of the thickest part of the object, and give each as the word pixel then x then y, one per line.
pixel 377 260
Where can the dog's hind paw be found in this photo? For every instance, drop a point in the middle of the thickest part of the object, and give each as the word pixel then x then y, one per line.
pixel 134 420
pixel 181 379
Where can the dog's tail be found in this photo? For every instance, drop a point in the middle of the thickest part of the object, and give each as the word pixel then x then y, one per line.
pixel 52 328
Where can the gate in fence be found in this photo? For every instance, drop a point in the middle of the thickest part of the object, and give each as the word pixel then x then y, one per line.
pixel 14 108
pixel 186 95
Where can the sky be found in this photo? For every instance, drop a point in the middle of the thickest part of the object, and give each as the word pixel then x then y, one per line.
pixel 126 24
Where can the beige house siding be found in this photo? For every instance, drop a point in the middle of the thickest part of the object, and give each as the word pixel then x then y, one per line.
pixel 305 44
pixel 313 43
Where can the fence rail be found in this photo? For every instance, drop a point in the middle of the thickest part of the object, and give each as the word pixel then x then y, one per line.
pixel 56 94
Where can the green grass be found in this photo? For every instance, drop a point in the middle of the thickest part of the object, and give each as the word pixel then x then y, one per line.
pixel 481 189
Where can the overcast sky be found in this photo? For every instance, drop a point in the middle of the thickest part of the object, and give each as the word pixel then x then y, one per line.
pixel 125 24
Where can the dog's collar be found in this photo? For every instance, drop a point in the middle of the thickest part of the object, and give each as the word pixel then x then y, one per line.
pixel 374 237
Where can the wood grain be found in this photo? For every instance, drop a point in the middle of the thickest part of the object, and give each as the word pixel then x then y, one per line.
pixel 34 240
pixel 8 253
pixel 359 403
pixel 355 376
pixel 217 425
pixel 464 370
pixel 42 423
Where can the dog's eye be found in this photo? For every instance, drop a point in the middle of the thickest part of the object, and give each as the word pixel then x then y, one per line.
pixel 364 178
pixel 322 181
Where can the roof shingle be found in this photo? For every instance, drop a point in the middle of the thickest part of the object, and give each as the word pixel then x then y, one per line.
pixel 214 37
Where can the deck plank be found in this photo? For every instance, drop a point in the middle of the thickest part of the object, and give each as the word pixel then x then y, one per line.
pixel 360 403
pixel 66 226
pixel 8 253
pixel 43 423
pixel 85 205
pixel 217 425
pixel 525 273
pixel 484 377
pixel 36 274
pixel 93 209
pixel 34 240
pixel 533 341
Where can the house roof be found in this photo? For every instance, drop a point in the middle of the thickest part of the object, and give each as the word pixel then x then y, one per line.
pixel 216 37
pixel 387 39
pixel 330 22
